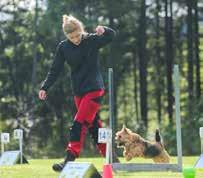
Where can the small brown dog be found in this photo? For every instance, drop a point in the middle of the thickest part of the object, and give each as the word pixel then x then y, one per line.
pixel 136 146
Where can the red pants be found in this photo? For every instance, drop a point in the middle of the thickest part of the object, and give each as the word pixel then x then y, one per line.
pixel 86 118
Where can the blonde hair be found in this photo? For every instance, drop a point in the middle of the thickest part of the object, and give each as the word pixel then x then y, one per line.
pixel 71 24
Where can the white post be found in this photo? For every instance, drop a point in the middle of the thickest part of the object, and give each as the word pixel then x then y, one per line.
pixel 18 134
pixel 111 112
pixel 21 150
pixel 107 153
pixel 2 147
pixel 201 138
pixel 177 114
pixel 109 147
pixel 5 138
pixel 105 136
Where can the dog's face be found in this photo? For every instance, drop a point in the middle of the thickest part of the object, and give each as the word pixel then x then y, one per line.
pixel 125 136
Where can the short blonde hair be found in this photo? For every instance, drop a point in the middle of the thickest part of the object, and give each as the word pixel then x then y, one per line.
pixel 71 24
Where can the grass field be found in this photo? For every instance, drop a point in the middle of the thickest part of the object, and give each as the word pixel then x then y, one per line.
pixel 38 168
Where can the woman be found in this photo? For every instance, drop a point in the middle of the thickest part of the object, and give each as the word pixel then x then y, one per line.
pixel 80 51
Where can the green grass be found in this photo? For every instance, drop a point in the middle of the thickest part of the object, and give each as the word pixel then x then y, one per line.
pixel 42 169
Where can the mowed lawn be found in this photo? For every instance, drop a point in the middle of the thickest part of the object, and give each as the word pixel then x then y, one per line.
pixel 39 168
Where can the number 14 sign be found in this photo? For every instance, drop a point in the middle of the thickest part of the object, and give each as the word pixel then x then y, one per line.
pixel 105 135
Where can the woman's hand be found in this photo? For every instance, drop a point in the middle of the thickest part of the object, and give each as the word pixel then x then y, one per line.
pixel 99 30
pixel 42 94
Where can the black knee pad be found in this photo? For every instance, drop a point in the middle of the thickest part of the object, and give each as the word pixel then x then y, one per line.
pixel 94 129
pixel 75 131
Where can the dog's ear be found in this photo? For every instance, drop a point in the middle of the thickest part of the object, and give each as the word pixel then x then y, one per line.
pixel 128 131
pixel 124 128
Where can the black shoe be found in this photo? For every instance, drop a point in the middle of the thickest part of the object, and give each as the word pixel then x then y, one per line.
pixel 58 167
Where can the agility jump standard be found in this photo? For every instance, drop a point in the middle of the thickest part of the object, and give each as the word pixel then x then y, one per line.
pixel 150 167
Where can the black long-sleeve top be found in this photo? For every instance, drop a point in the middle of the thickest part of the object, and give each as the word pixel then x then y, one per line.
pixel 83 60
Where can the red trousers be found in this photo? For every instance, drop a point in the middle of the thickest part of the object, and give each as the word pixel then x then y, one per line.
pixel 85 119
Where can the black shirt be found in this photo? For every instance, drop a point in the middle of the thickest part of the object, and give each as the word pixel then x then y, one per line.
pixel 83 60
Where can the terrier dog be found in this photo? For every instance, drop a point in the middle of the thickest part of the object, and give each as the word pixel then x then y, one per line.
pixel 136 146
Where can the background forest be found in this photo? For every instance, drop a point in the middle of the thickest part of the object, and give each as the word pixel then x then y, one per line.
pixel 152 36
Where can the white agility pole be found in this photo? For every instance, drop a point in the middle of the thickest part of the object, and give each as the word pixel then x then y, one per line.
pixel 105 136
pixel 5 138
pixel 199 163
pixel 177 110
pixel 18 134
pixel 201 138
pixel 111 112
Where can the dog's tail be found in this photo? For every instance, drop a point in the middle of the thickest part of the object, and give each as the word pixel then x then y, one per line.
pixel 158 136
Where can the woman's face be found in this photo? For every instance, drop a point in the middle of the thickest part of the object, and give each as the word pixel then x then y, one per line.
pixel 75 37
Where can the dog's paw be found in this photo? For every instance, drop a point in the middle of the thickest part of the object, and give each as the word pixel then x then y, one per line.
pixel 128 157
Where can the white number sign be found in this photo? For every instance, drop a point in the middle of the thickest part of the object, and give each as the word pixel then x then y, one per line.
pixel 104 135
pixel 18 133
pixel 5 137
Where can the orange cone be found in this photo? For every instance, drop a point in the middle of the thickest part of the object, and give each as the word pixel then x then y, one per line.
pixel 107 171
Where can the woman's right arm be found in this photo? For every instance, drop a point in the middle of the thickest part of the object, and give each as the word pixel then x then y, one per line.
pixel 53 73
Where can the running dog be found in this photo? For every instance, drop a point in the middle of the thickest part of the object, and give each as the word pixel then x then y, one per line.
pixel 136 146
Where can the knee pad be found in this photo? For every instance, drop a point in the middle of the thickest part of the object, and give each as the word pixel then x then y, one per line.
pixel 75 131
pixel 95 128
